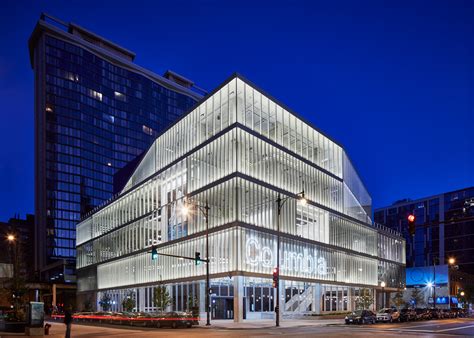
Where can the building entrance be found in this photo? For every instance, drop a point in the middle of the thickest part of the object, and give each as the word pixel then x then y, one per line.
pixel 222 307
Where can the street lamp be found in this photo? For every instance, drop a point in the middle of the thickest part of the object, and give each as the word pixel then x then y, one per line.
pixel 13 250
pixel 451 262
pixel 204 209
pixel 382 284
pixel 462 299
pixel 280 202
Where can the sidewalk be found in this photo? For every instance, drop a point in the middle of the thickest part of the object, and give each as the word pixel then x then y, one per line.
pixel 266 323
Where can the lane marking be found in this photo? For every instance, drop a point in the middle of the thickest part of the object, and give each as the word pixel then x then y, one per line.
pixel 424 325
pixel 455 328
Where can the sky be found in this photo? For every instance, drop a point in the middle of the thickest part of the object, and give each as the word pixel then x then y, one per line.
pixel 392 81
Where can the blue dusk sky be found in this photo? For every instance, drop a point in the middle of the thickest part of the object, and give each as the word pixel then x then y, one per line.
pixel 393 81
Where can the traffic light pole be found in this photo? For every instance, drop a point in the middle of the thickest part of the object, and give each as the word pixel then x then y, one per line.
pixel 277 308
pixel 205 211
pixel 182 257
pixel 208 284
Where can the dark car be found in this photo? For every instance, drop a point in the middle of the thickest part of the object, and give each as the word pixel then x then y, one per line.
pixel 173 319
pixel 141 319
pixel 422 314
pixel 122 318
pixel 447 313
pixel 407 315
pixel 361 317
pixel 459 313
pixel 436 313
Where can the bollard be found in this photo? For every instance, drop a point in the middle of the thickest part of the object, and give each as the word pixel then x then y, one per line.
pixel 46 329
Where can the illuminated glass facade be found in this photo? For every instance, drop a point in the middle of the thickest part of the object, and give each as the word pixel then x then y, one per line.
pixel 238 150
pixel 95 112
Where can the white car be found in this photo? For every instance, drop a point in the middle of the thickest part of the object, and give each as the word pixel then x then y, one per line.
pixel 388 315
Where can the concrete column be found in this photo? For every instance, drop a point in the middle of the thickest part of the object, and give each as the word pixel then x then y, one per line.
pixel 54 295
pixel 238 299
pixel 169 288
pixel 141 298
pixel 202 300
pixel 317 298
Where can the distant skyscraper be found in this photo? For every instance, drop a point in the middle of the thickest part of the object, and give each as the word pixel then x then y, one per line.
pixel 18 249
pixel 444 228
pixel 95 110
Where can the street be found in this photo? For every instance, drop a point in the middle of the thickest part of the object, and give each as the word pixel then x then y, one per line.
pixel 295 328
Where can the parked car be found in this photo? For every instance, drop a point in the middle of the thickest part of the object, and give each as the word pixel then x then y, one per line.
pixel 459 313
pixel 423 314
pixel 447 313
pixel 361 317
pixel 122 318
pixel 407 315
pixel 173 319
pixel 388 315
pixel 142 319
pixel 436 314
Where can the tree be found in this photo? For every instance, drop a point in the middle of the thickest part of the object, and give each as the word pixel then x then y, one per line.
pixel 364 300
pixel 192 302
pixel 161 297
pixel 193 305
pixel 397 299
pixel 105 302
pixel 417 298
pixel 128 303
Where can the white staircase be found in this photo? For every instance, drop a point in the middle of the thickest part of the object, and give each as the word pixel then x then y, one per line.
pixel 300 302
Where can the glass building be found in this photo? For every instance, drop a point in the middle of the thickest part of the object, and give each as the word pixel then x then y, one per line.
pixel 237 151
pixel 95 111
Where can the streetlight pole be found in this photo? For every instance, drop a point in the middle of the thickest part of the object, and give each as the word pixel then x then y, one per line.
pixel 451 262
pixel 208 286
pixel 280 202
pixel 13 248
pixel 434 283
pixel 383 294
pixel 205 211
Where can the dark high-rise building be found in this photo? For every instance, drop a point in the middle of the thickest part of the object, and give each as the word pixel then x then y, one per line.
pixel 444 228
pixel 95 110
pixel 16 236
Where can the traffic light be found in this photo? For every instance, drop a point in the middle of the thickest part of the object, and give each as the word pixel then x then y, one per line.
pixel 154 253
pixel 275 277
pixel 411 224
pixel 197 258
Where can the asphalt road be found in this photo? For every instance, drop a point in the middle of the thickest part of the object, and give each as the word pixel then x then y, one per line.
pixel 433 328
pixel 460 326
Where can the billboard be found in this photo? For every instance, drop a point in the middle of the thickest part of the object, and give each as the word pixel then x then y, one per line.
pixel 422 276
